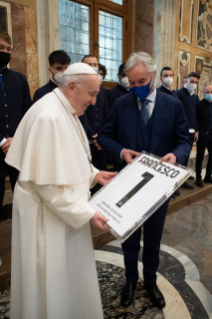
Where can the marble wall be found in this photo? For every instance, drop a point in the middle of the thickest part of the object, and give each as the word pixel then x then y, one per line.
pixel 23 30
pixel 193 39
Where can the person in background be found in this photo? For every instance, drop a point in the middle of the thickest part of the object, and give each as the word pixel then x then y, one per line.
pixel 96 115
pixel 145 120
pixel 166 77
pixel 121 88
pixel 189 100
pixel 184 80
pixel 58 62
pixel 204 119
pixel 102 73
pixel 15 100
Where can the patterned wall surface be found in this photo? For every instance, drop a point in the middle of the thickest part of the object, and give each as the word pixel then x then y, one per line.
pixel 184 60
pixel 204 25
pixel 204 69
pixel 186 19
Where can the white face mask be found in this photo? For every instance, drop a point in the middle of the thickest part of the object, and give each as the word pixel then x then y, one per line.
pixel 124 82
pixel 58 76
pixel 167 81
pixel 191 87
pixel 100 78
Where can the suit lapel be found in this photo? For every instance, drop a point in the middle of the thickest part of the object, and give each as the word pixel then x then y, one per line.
pixel 161 114
pixel 130 120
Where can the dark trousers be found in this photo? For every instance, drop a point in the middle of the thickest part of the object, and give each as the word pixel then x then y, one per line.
pixel 4 170
pixel 205 141
pixel 153 229
pixel 99 160
pixel 185 163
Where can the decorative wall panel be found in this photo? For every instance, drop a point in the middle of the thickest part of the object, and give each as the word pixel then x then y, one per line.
pixel 184 61
pixel 204 25
pixel 203 67
pixel 186 21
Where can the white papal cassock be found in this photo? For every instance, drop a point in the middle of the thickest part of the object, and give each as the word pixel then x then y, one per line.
pixel 53 267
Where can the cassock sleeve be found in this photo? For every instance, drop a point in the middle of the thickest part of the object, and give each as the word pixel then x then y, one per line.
pixel 64 201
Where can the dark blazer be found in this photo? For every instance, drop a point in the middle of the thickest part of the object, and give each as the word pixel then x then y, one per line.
pixel 169 129
pixel 96 114
pixel 204 116
pixel 15 101
pixel 115 93
pixel 49 87
pixel 189 103
pixel 164 90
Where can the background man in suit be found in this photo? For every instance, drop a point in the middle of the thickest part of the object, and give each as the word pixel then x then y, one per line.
pixel 102 72
pixel 58 62
pixel 204 119
pixel 96 114
pixel 145 120
pixel 122 87
pixel 189 100
pixel 15 100
pixel 166 77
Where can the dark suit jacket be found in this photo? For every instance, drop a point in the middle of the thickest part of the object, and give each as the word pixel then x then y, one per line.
pixel 17 99
pixel 204 116
pixel 96 114
pixel 164 90
pixel 189 103
pixel 169 129
pixel 115 93
pixel 49 87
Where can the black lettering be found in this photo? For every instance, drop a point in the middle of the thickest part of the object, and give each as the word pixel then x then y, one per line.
pixel 172 169
pixel 160 169
pixel 174 174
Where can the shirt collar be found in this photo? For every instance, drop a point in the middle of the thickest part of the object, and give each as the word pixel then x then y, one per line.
pixel 65 101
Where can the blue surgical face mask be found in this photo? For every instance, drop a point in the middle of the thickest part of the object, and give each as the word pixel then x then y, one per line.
pixel 95 69
pixel 142 91
pixel 208 97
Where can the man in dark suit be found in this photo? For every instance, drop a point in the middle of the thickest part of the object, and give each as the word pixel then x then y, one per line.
pixel 204 119
pixel 15 100
pixel 189 100
pixel 96 115
pixel 166 77
pixel 58 62
pixel 145 120
pixel 122 87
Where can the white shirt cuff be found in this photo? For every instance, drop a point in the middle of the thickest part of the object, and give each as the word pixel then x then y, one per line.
pixel 3 141
pixel 121 153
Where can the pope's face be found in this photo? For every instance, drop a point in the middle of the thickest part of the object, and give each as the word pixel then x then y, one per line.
pixel 86 94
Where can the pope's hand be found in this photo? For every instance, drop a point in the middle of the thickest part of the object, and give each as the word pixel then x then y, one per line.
pixel 99 221
pixel 169 158
pixel 128 155
pixel 104 177
pixel 6 145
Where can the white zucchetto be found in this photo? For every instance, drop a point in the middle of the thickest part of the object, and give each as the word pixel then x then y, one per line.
pixel 79 68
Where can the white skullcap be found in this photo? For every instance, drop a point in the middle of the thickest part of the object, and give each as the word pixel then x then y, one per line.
pixel 79 68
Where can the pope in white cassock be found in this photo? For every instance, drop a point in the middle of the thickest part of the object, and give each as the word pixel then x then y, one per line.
pixel 53 267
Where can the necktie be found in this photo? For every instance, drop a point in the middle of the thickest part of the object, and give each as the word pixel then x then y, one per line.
pixel 144 111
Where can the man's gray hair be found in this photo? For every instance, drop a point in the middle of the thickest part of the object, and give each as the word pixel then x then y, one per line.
pixel 63 80
pixel 140 57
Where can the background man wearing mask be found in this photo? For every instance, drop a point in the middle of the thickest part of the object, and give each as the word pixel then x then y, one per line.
pixel 189 100
pixel 102 72
pixel 166 77
pixel 15 100
pixel 121 88
pixel 96 114
pixel 204 119
pixel 145 120
pixel 58 62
